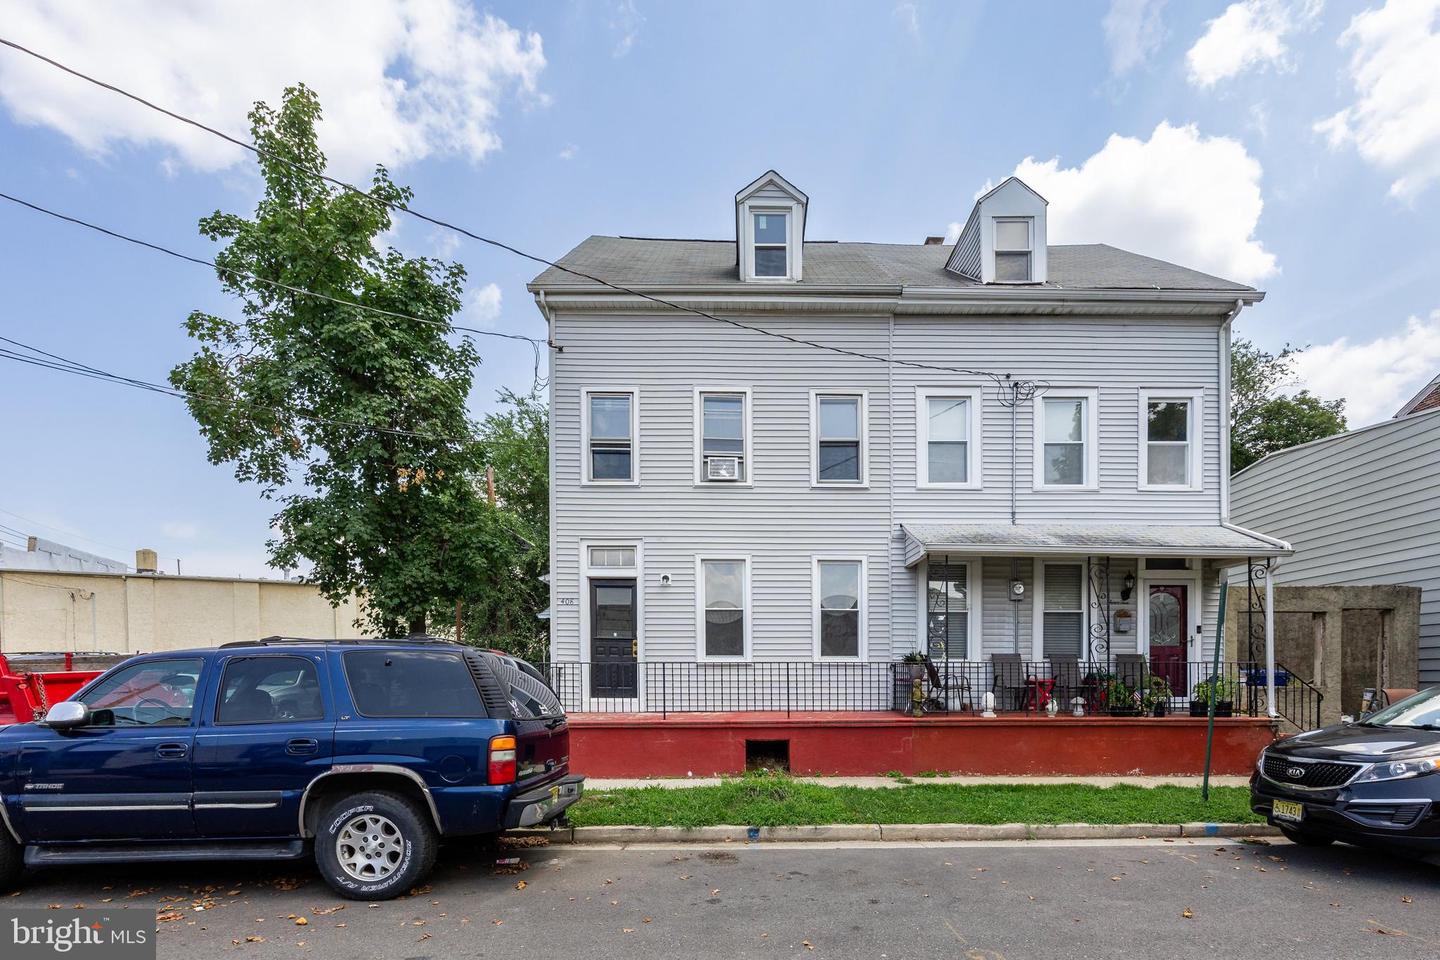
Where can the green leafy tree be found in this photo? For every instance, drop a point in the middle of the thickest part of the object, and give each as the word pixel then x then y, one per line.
pixel 353 421
pixel 1262 419
pixel 501 608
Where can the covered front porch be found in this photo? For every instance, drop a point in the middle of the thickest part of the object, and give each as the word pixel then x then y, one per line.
pixel 1080 619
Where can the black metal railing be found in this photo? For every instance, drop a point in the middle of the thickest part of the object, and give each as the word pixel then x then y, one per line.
pixel 1122 686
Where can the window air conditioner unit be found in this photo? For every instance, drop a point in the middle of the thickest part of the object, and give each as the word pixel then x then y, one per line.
pixel 722 468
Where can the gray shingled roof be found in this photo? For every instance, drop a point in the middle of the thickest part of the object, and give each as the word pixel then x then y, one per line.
pixel 1129 539
pixel 640 262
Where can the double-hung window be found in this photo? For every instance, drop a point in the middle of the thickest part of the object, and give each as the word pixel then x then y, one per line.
pixel 839 453
pixel 610 437
pixel 724 601
pixel 947 608
pixel 1013 249
pixel 1063 623
pixel 724 436
pixel 948 453
pixel 1065 442
pixel 840 608
pixel 772 237
pixel 1169 448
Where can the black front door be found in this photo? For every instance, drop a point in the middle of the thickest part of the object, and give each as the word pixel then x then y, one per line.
pixel 613 643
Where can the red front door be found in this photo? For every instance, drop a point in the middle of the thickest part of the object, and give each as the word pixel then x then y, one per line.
pixel 1169 620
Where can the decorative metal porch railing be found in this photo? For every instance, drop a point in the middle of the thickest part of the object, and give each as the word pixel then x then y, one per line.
pixel 1121 686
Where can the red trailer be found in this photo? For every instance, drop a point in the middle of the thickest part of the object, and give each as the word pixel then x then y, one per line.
pixel 31 682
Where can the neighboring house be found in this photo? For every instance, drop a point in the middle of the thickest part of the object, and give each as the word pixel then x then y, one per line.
pixel 1361 507
pixel 722 496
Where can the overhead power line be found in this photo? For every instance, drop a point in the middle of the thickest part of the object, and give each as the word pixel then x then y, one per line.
pixel 1017 390
pixel 51 361
pixel 201 261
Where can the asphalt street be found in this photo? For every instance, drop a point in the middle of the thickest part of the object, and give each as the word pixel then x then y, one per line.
pixel 1107 899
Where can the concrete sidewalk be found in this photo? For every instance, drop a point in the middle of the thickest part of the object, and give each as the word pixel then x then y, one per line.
pixel 891 782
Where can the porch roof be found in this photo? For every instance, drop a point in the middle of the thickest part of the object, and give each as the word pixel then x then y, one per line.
pixel 1217 541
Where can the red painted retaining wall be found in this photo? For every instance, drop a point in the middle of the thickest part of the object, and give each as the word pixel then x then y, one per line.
pixel 860 744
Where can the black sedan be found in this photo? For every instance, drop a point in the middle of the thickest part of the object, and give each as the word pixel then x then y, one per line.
pixel 1375 782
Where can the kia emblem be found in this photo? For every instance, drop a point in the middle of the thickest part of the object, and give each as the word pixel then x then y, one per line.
pixel 1295 773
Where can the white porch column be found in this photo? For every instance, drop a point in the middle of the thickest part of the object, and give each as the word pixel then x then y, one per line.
pixel 1270 638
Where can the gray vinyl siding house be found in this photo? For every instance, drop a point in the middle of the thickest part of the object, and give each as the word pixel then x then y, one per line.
pixel 915 345
pixel 1359 508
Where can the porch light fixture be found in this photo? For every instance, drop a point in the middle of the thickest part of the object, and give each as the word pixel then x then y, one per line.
pixel 1128 587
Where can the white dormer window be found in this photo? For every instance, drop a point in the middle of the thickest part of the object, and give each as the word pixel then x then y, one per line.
pixel 772 243
pixel 1013 247
pixel 770 230
pixel 1004 239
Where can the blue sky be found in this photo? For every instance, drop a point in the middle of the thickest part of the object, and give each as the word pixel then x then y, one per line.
pixel 1291 144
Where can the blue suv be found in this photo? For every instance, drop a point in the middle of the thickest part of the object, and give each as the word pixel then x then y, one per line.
pixel 366 751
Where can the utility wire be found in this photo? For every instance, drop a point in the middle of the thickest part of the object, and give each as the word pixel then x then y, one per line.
pixel 201 261
pixel 51 361
pixel 1004 382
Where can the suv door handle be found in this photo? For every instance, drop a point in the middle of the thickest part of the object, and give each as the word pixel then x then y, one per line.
pixel 172 751
pixel 302 746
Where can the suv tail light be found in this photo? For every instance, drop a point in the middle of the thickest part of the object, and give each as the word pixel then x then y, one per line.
pixel 502 760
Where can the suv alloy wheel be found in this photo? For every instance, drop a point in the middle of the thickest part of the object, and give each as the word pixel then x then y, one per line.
pixel 375 845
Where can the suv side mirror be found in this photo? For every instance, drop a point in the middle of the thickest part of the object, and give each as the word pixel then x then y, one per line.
pixel 67 714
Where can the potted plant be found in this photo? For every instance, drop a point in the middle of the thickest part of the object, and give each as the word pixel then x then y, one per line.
pixel 1224 693
pixel 1156 699
pixel 1120 700
pixel 914 668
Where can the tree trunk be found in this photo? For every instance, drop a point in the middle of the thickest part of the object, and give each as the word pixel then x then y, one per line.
pixel 417 625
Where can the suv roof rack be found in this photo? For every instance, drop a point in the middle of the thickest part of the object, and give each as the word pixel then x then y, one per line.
pixel 352 641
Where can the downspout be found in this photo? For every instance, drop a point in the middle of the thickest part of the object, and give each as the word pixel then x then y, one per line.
pixel 550 453
pixel 1225 409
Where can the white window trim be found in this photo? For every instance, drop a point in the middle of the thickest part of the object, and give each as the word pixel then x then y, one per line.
pixel 864 611
pixel 606 573
pixel 864 427
pixel 1195 601
pixel 587 464
pixel 995 250
pixel 699 431
pixel 793 249
pixel 923 396
pixel 975 644
pixel 1037 605
pixel 700 654
pixel 1195 396
pixel 1091 396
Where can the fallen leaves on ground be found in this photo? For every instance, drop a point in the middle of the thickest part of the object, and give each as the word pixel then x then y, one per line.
pixel 521 885
pixel 168 916
pixel 807 944
pixel 1187 913
pixel 326 911
pixel 286 884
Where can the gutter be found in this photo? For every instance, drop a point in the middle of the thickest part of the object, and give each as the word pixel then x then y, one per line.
pixel 1224 358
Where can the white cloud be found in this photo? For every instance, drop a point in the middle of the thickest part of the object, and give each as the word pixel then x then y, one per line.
pixel 398 81
pixel 909 15
pixel 1133 32
pixel 1248 34
pixel 1395 120
pixel 1179 196
pixel 568 151
pixel 177 530
pixel 1375 377
pixel 625 23
pixel 482 306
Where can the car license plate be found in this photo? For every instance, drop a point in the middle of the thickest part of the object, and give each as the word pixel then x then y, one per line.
pixel 1288 810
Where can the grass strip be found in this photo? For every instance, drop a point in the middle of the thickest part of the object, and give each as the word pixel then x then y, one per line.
pixel 765 801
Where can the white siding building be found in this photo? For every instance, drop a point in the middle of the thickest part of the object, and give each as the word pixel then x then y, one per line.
pixel 817 452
